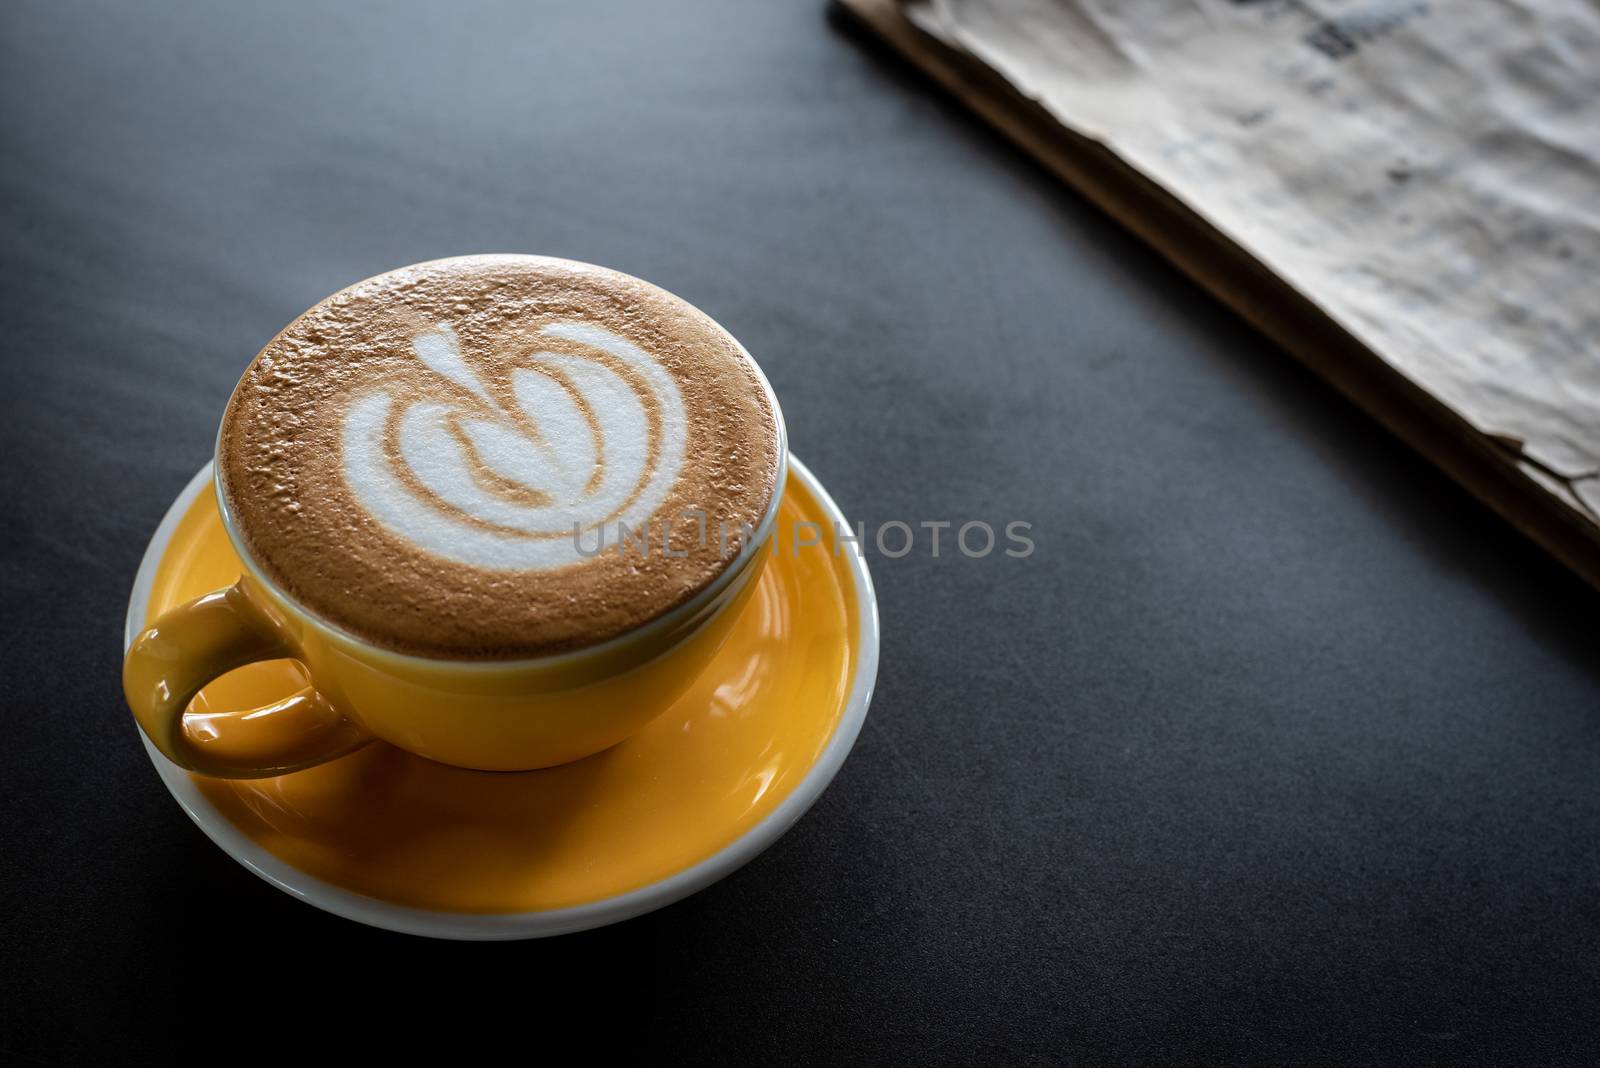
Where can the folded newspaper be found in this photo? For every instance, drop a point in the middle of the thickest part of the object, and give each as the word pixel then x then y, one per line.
pixel 1422 176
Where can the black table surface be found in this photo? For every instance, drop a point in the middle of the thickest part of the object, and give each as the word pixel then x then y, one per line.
pixel 1279 748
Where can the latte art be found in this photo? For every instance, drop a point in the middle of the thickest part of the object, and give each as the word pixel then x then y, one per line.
pixel 429 459
pixel 584 449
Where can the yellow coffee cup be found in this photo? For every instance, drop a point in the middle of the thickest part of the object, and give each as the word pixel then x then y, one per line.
pixel 498 715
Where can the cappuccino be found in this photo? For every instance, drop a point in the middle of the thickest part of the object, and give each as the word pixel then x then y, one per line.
pixel 430 459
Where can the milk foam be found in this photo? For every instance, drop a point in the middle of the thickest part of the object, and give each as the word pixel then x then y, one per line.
pixel 598 461
pixel 431 458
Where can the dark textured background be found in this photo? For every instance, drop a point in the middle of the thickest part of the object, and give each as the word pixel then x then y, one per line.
pixel 1279 749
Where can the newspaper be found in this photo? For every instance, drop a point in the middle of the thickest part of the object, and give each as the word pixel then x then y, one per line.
pixel 1424 172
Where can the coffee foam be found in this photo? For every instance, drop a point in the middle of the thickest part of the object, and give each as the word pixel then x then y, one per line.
pixel 429 458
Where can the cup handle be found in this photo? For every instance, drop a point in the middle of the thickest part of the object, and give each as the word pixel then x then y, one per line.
pixel 195 643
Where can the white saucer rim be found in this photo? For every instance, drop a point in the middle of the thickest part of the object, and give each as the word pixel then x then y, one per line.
pixel 432 923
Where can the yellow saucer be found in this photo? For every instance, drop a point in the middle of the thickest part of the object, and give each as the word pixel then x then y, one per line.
pixel 395 840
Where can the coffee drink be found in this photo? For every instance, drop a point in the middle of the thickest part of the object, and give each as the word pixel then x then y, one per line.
pixel 498 457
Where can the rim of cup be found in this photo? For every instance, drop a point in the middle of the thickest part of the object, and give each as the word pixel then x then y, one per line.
pixel 668 620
